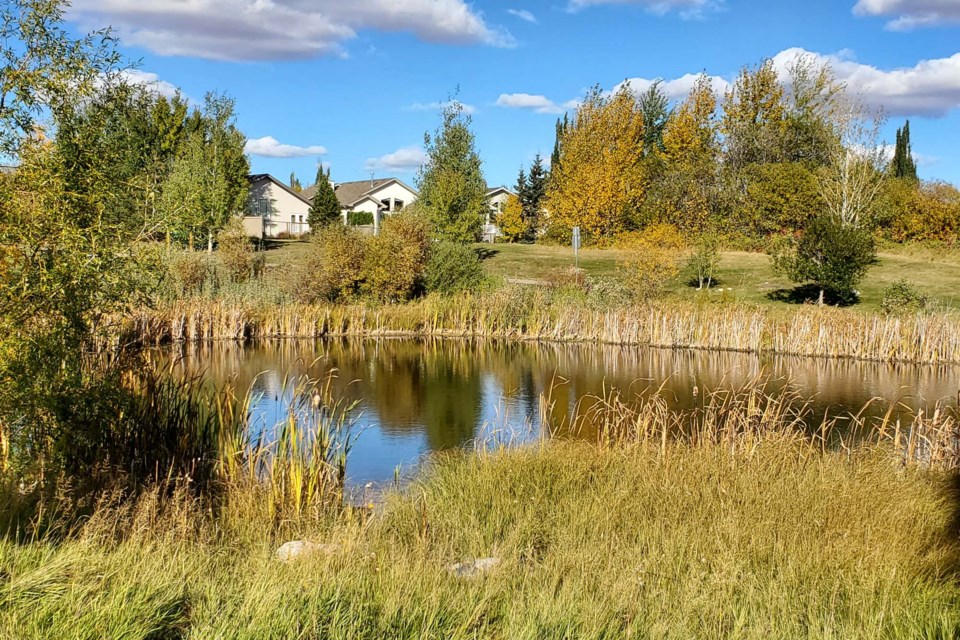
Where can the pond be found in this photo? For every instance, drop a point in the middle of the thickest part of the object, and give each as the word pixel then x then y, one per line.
pixel 420 396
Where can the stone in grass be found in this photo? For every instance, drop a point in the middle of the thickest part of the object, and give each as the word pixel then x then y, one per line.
pixel 473 568
pixel 290 551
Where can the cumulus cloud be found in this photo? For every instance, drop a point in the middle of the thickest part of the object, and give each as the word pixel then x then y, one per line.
pixel 523 14
pixel 468 109
pixel 908 14
pixel 404 159
pixel 149 80
pixel 538 103
pixel 677 88
pixel 887 151
pixel 930 88
pixel 686 8
pixel 270 147
pixel 280 29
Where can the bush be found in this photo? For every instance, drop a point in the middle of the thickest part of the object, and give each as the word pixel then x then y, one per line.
pixel 188 272
pixel 832 255
pixel 236 254
pixel 452 268
pixel 359 218
pixel 395 260
pixel 653 257
pixel 331 269
pixel 903 297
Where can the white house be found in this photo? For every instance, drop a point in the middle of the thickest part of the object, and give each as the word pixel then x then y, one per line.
pixel 378 197
pixel 496 200
pixel 274 209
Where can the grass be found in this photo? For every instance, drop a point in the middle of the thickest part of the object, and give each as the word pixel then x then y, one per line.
pixel 773 538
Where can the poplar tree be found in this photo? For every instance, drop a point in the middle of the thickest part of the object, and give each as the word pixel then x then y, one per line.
pixel 903 164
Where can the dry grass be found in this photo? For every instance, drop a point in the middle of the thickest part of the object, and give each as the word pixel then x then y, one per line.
pixel 529 314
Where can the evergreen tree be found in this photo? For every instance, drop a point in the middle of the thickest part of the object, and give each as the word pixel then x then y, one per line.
pixel 324 208
pixel 521 189
pixel 903 164
pixel 452 187
pixel 561 128
pixel 536 191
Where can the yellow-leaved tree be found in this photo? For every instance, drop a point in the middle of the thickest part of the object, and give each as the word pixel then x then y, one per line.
pixel 510 220
pixel 599 180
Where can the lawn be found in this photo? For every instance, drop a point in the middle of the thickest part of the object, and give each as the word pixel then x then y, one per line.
pixel 743 276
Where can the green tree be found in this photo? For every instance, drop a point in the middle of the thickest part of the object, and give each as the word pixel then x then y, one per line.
pixel 560 130
pixel 832 255
pixel 451 183
pixel 903 165
pixel 324 208
pixel 295 182
pixel 536 192
pixel 208 182
pixel 655 107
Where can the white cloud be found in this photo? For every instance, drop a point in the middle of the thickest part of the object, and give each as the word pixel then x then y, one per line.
pixel 149 80
pixel 405 159
pixel 676 89
pixel 922 160
pixel 468 109
pixel 280 29
pixel 540 104
pixel 930 88
pixel 686 8
pixel 523 14
pixel 910 13
pixel 270 147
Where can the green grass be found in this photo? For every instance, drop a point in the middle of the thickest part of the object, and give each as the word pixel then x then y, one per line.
pixel 744 277
pixel 686 542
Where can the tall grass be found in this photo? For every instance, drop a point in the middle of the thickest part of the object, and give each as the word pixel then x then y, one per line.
pixel 529 314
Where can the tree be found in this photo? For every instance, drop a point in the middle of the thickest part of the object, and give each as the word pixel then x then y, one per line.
pixel 521 186
pixel 831 254
pixel 655 107
pixel 536 192
pixel 451 183
pixel 208 182
pixel 324 208
pixel 754 117
pixel 44 67
pixel 560 130
pixel 295 183
pixel 903 165
pixel 511 220
pixel 599 183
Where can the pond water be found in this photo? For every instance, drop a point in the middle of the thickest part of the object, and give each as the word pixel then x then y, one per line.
pixel 419 396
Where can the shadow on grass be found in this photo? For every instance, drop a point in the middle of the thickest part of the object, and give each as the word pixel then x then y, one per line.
pixel 695 284
pixel 810 293
pixel 485 254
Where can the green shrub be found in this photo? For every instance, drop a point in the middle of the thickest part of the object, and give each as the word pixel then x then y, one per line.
pixel 395 260
pixel 331 269
pixel 704 261
pixel 453 268
pixel 236 255
pixel 903 297
pixel 359 218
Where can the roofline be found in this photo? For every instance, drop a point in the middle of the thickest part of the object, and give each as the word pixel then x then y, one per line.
pixel 391 181
pixel 365 196
pixel 495 189
pixel 258 176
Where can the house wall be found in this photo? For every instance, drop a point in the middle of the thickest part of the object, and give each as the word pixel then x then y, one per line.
pixel 281 211
pixel 395 191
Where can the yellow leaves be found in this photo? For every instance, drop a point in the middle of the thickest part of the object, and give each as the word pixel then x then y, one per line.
pixel 510 221
pixel 691 130
pixel 653 257
pixel 600 178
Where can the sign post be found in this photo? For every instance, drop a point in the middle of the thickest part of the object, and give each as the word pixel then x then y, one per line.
pixel 576 247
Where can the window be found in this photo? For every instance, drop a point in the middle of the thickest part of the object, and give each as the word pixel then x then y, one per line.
pixel 398 205
pixel 386 204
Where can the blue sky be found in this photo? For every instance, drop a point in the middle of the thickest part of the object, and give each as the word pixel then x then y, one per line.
pixel 358 82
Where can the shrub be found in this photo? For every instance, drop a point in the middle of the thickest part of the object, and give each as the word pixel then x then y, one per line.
pixel 359 218
pixel 452 268
pixel 331 269
pixel 236 254
pixel 395 260
pixel 832 255
pixel 653 257
pixel 903 297
pixel 704 261
pixel 188 271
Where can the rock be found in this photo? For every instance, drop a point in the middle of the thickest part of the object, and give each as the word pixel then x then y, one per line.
pixel 473 568
pixel 289 551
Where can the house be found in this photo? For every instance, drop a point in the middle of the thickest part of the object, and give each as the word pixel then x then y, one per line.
pixel 377 197
pixel 274 210
pixel 496 200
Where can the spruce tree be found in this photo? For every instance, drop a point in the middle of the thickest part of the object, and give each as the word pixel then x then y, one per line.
pixel 324 208
pixel 655 107
pixel 903 164
pixel 521 189
pixel 536 191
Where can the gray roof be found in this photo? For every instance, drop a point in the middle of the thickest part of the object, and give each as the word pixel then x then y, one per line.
pixel 349 193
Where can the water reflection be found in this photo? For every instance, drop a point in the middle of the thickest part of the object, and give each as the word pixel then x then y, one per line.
pixel 420 396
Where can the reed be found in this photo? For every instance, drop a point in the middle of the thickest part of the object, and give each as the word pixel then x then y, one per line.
pixel 529 314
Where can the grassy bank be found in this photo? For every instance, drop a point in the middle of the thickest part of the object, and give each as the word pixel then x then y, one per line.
pixel 536 314
pixel 594 542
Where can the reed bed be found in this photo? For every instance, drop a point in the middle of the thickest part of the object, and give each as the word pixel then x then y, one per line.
pixel 524 314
